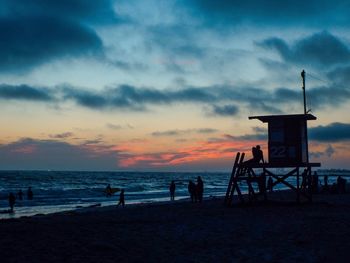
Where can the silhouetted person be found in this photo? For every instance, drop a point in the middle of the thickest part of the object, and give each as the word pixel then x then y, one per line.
pixel 270 184
pixel 108 190
pixel 172 188
pixel 333 189
pixel 341 184
pixel 192 190
pixel 12 201
pixel 30 193
pixel 253 153
pixel 199 188
pixel 20 195
pixel 258 155
pixel 121 198
pixel 309 181
pixel 325 186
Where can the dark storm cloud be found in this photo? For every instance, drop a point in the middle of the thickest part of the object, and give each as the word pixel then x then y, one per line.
pixel 93 11
pixel 30 153
pixel 122 96
pixel 341 75
pixel 131 98
pixel 285 95
pixel 31 41
pixel 333 132
pixel 328 96
pixel 84 98
pixel 270 12
pixel 38 31
pixel 225 110
pixel 320 49
pixel 317 98
pixel 24 92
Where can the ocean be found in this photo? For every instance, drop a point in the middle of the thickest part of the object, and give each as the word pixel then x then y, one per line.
pixel 56 191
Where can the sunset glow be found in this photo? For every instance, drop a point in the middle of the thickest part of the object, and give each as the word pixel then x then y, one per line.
pixel 167 85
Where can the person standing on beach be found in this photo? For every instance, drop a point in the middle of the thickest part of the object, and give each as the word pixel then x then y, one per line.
pixel 325 186
pixel 270 184
pixel 200 189
pixel 12 201
pixel 30 193
pixel 121 199
pixel 192 191
pixel 172 188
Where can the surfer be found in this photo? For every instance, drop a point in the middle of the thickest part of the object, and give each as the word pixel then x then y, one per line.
pixel 172 188
pixel 121 198
pixel 108 190
pixel 200 189
pixel 30 193
pixel 12 201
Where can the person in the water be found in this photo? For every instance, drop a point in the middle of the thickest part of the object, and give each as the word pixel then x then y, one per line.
pixel 12 201
pixel 30 193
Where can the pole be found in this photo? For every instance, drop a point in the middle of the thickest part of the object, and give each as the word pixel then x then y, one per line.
pixel 304 94
pixel 306 139
pixel 298 186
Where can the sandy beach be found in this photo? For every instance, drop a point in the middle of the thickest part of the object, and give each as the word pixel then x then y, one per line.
pixel 185 232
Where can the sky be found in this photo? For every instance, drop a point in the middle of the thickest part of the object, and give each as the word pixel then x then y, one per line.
pixel 168 85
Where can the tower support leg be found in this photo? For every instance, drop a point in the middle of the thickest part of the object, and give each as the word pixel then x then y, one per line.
pixel 298 186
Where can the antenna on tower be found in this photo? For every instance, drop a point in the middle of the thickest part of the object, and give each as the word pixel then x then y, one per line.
pixel 304 93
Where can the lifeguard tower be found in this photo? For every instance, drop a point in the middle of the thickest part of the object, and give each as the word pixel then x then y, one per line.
pixel 287 148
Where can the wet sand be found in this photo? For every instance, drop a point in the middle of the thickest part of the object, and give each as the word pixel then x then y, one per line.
pixel 185 232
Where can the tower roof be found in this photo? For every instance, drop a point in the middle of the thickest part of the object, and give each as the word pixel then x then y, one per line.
pixel 267 118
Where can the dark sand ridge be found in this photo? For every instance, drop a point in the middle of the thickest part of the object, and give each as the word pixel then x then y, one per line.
pixel 185 232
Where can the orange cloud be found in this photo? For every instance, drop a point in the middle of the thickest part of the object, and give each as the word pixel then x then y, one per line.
pixel 28 149
pixel 199 151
